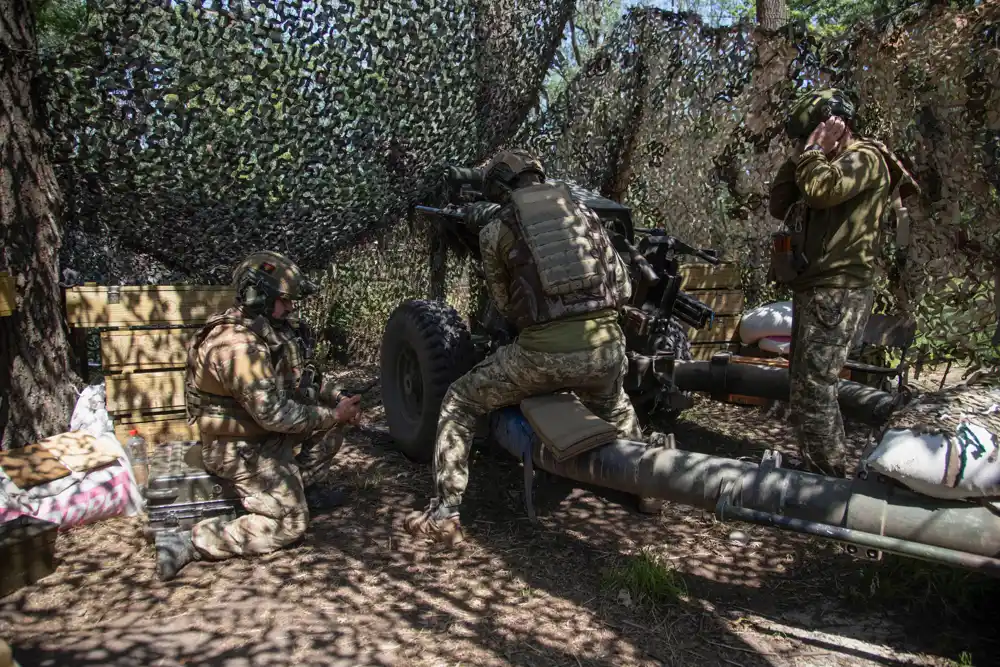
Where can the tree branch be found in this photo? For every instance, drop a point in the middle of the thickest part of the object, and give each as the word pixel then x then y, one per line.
pixel 572 39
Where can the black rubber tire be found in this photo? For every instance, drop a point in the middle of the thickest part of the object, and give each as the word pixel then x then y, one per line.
pixel 431 336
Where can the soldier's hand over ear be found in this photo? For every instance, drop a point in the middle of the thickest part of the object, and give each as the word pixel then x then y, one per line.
pixel 828 133
pixel 348 410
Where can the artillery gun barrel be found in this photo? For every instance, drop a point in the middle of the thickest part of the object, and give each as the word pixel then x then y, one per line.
pixel 864 512
pixel 719 377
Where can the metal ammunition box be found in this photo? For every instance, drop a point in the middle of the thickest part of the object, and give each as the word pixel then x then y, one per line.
pixel 181 492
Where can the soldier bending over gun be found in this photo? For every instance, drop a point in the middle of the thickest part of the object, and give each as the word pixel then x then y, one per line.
pixel 553 272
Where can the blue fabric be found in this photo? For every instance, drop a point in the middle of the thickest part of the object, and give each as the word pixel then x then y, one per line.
pixel 512 431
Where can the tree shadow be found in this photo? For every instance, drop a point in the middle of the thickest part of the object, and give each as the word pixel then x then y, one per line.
pixel 358 591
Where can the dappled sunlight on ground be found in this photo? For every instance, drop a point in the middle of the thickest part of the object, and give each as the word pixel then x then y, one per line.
pixel 577 588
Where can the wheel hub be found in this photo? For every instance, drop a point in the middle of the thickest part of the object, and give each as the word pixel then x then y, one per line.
pixel 410 381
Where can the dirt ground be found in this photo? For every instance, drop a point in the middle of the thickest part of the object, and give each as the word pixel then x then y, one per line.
pixel 594 583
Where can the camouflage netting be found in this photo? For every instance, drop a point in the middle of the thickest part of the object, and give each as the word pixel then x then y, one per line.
pixel 190 132
pixel 685 123
pixel 191 135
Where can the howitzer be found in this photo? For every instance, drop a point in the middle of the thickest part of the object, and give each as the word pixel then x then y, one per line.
pixel 426 346
pixel 653 320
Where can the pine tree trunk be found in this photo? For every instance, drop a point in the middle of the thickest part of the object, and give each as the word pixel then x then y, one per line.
pixel 772 14
pixel 36 379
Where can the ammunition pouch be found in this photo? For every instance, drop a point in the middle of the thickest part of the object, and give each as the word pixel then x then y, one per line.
pixel 635 321
pixel 788 258
pixel 308 389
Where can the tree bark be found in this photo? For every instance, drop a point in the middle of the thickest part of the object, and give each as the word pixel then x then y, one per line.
pixel 772 14
pixel 36 378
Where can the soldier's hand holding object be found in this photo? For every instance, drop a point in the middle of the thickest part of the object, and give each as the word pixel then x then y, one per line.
pixel 348 410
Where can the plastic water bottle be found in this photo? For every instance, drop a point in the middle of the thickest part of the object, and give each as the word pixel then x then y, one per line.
pixel 136 448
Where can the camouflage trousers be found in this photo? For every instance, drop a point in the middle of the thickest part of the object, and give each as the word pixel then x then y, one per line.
pixel 826 324
pixel 271 481
pixel 513 373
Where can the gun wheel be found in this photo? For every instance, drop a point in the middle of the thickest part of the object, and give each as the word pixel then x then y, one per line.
pixel 425 347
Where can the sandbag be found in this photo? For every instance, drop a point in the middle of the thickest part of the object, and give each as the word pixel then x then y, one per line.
pixel 776 344
pixel 90 414
pixel 99 484
pixel 771 319
pixel 99 494
pixel 944 444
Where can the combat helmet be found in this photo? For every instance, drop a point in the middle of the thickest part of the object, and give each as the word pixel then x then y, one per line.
pixel 814 107
pixel 502 171
pixel 266 276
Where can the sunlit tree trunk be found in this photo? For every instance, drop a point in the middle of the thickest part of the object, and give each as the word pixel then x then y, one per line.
pixel 36 390
pixel 772 14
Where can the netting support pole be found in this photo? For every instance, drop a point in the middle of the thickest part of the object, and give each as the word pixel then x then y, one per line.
pixel 438 253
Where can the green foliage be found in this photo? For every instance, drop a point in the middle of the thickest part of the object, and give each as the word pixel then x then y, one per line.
pixel 645 579
pixel 58 22
pixel 698 158
pixel 365 283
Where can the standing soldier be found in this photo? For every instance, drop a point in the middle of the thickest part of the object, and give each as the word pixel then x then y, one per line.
pixel 832 196
pixel 552 271
pixel 245 388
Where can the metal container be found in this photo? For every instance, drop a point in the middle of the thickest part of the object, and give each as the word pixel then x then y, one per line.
pixel 181 492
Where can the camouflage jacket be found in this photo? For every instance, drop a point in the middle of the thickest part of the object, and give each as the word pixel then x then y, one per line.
pixel 242 378
pixel 846 199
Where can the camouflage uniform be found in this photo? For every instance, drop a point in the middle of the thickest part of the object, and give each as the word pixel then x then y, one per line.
pixel 252 443
pixel 841 201
pixel 243 388
pixel 826 322
pixel 571 342
pixel 513 373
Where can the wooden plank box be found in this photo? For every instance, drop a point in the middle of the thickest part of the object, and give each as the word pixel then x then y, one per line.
pixel 27 552
pixel 157 429
pixel 150 349
pixel 92 306
pixel 722 329
pixel 704 276
pixel 152 392
pixel 6 294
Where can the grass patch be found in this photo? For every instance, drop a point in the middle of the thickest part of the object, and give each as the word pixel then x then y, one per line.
pixel 645 579
pixel 964 660
pixel 939 595
pixel 919 587
pixel 365 481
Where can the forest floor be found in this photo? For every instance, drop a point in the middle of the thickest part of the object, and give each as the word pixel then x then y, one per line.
pixel 593 583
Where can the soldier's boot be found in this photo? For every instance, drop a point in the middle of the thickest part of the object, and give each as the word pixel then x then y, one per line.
pixel 823 464
pixel 174 551
pixel 438 522
pixel 323 498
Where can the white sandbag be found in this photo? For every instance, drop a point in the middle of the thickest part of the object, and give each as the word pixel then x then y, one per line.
pixel 79 498
pixel 771 319
pixel 90 414
pixel 98 494
pixel 776 344
pixel 944 444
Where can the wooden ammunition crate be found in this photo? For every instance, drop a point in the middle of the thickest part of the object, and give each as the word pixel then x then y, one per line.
pixel 27 552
